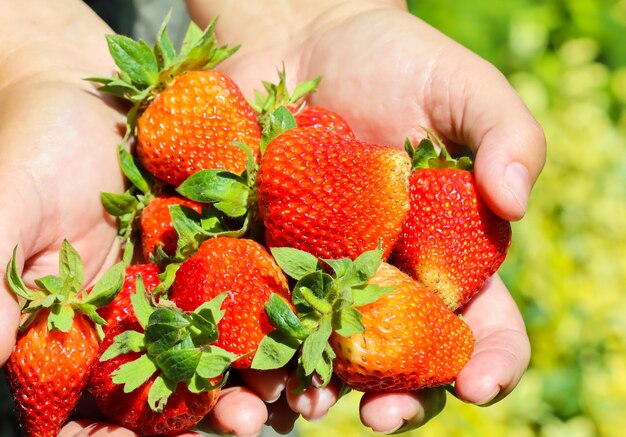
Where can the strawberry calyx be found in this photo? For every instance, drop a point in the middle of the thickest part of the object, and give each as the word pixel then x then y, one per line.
pixel 324 303
pixel 63 294
pixel 145 71
pixel 425 155
pixel 277 95
pixel 176 344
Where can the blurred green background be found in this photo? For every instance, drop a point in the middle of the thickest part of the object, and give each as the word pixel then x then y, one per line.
pixel 567 264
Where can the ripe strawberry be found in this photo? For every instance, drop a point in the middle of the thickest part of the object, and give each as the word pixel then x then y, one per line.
pixel 136 409
pixel 318 116
pixel 191 126
pixel 58 343
pixel 331 195
pixel 120 308
pixel 248 273
pixel 451 241
pixel 411 339
pixel 157 227
pixel 186 114
pixel 369 323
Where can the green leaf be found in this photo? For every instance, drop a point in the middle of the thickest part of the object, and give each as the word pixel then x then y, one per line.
pixel 141 305
pixel 186 222
pixel 60 318
pixel 340 266
pixel 14 280
pixel 198 384
pixel 324 366
pixel 304 88
pixel 134 373
pixel 279 121
pixel 204 329
pixel 118 204
pixel 126 342
pixel 70 267
pixel 282 317
pixel 108 286
pixel 275 351
pixel 214 362
pixel 213 308
pixel 348 322
pixel 132 170
pixel 135 59
pixel 90 311
pixel 163 48
pixel 227 191
pixel 322 306
pixel 314 345
pixel 179 364
pixel 366 264
pixel 368 294
pixel 52 284
pixel 159 393
pixel 294 262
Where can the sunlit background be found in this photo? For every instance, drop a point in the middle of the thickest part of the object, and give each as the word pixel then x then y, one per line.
pixel 567 263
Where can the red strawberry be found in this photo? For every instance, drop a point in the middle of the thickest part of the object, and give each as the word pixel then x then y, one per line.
pixel 120 308
pixel 191 126
pixel 186 114
pixel 157 228
pixel 367 322
pixel 318 116
pixel 331 195
pixel 248 273
pixel 58 343
pixel 411 339
pixel 451 241
pixel 181 410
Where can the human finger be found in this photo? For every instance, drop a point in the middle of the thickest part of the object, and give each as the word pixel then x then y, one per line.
pixel 238 411
pixel 502 349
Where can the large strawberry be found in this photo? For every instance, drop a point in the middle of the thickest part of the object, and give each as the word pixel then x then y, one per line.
pixel 58 342
pixel 186 114
pixel 331 195
pixel 411 339
pixel 368 322
pixel 247 272
pixel 451 241
pixel 158 373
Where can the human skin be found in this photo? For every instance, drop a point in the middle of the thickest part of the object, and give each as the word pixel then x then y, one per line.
pixel 56 130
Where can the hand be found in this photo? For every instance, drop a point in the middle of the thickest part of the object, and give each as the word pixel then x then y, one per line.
pixel 389 74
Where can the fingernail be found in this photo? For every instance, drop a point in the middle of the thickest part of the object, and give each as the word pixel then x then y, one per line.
pixel 516 181
pixel 489 398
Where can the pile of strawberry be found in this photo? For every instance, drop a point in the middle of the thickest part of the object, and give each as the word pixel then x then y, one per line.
pixel 271 236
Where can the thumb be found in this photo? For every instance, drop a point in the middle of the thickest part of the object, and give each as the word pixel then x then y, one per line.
pixel 510 145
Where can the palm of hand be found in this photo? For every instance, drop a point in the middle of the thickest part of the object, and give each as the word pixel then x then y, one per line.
pixel 58 146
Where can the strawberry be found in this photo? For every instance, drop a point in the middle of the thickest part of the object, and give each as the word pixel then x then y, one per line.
pixel 318 116
pixel 411 339
pixel 157 227
pixel 58 342
pixel 190 126
pixel 451 241
pixel 277 94
pixel 151 407
pixel 331 195
pixel 186 113
pixel 248 273
pixel 367 322
pixel 120 308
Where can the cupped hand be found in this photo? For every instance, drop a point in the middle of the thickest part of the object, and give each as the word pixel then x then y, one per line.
pixel 390 75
